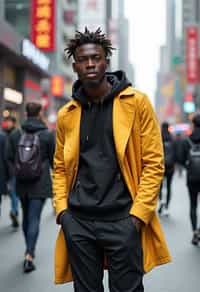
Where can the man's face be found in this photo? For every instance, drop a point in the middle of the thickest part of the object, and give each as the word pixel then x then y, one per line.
pixel 10 124
pixel 90 64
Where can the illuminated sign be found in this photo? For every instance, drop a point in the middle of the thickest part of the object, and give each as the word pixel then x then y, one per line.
pixel 36 56
pixel 192 54
pixel 57 86
pixel 43 24
pixel 12 95
pixel 189 107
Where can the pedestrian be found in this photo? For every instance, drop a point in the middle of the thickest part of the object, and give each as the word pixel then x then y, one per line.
pixel 11 125
pixel 108 166
pixel 191 160
pixel 3 167
pixel 33 180
pixel 179 141
pixel 169 158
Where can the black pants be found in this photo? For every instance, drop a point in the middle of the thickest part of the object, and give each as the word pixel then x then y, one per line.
pixel 168 177
pixel 193 196
pixel 89 241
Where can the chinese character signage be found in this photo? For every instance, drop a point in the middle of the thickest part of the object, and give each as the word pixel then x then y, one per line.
pixel 57 85
pixel 192 54
pixel 43 24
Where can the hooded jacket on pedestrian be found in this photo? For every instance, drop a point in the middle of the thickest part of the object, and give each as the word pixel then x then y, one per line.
pixel 41 188
pixel 186 146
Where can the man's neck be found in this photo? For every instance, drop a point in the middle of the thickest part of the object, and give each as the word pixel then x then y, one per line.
pixel 98 93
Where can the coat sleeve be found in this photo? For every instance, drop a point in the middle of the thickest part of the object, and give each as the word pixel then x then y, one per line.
pixel 152 163
pixel 59 175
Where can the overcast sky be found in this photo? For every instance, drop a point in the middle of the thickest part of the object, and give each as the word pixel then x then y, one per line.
pixel 147 32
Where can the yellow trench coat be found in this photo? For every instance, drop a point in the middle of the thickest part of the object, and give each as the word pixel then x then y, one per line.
pixel 140 155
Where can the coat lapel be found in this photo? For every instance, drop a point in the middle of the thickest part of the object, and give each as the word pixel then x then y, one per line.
pixel 72 145
pixel 123 119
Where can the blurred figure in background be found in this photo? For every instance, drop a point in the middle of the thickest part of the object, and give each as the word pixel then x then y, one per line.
pixel 191 160
pixel 179 141
pixel 3 167
pixel 14 201
pixel 33 180
pixel 169 157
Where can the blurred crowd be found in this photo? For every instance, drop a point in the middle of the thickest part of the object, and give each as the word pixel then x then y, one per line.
pixel 182 152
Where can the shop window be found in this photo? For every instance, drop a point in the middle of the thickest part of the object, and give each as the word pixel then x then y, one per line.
pixel 9 76
pixel 17 13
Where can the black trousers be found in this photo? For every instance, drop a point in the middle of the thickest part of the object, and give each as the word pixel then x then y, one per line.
pixel 89 241
pixel 168 177
pixel 193 196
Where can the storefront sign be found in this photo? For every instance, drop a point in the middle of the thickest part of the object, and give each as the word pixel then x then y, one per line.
pixel 192 54
pixel 43 24
pixel 36 56
pixel 57 86
pixel 12 95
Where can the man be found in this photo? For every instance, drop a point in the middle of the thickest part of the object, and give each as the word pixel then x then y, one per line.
pixel 3 167
pixel 11 124
pixel 108 166
pixel 32 191
pixel 191 160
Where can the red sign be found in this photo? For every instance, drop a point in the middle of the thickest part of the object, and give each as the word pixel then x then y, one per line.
pixel 57 86
pixel 192 54
pixel 43 24
pixel 188 97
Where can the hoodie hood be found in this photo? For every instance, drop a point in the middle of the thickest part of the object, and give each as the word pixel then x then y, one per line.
pixel 117 79
pixel 195 136
pixel 33 125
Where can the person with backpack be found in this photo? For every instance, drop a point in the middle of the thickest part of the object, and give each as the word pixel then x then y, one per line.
pixel 191 160
pixel 30 150
pixel 169 158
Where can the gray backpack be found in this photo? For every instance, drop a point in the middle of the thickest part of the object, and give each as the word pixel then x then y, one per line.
pixel 28 163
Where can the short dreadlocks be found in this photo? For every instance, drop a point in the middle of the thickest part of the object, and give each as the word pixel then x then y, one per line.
pixel 89 37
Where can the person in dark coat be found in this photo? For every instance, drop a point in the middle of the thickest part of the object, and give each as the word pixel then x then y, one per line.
pixel 169 157
pixel 179 142
pixel 33 193
pixel 10 126
pixel 193 174
pixel 3 167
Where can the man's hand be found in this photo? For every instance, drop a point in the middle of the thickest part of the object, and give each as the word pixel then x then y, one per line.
pixel 137 222
pixel 60 216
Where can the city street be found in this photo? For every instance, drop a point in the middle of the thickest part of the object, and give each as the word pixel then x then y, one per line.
pixel 180 276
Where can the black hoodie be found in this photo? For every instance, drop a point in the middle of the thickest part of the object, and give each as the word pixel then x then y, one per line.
pixel 186 146
pixel 99 192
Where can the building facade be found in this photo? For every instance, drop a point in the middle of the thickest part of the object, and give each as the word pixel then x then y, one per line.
pixel 22 68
